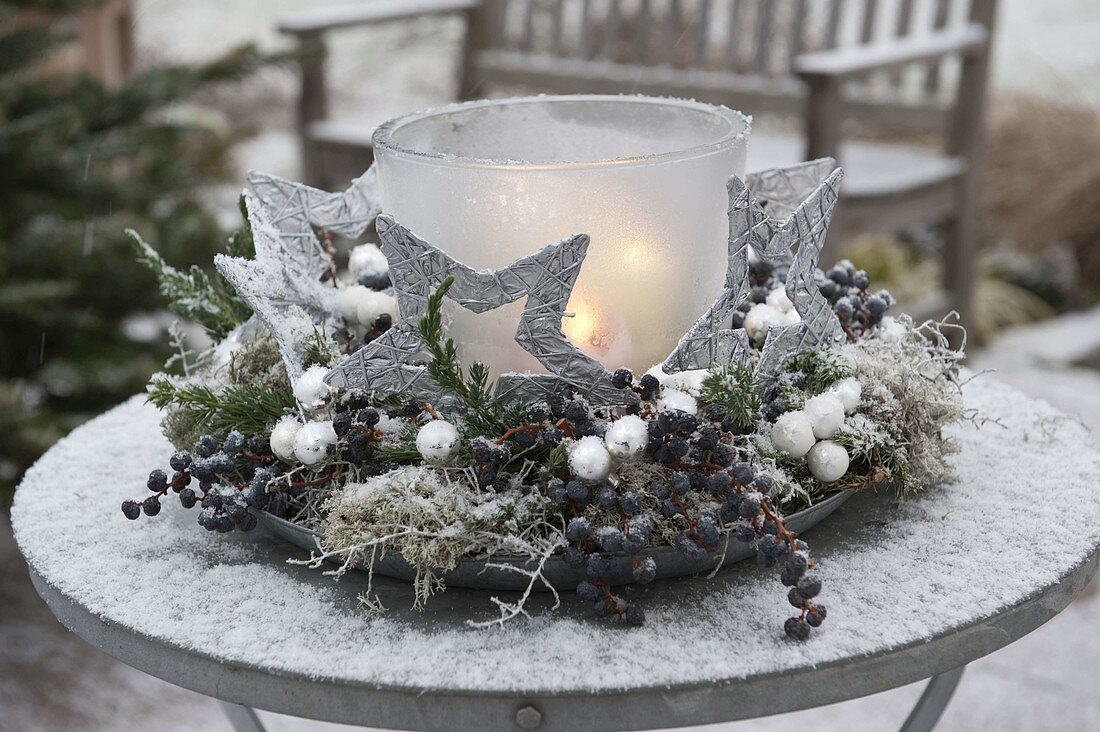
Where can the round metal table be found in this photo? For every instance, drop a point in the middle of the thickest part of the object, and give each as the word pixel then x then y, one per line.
pixel 916 589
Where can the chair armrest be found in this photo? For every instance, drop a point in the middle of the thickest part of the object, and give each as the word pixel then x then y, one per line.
pixel 312 22
pixel 844 63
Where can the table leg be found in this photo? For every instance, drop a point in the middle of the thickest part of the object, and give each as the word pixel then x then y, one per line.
pixel 933 701
pixel 242 718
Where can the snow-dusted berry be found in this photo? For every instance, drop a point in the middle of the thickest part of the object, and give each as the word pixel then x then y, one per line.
pixel 589 459
pixel 826 412
pixel 793 433
pixel 778 299
pixel 848 391
pixel 310 390
pixel 358 304
pixel 761 319
pixel 626 438
pixel 373 305
pixel 313 441
pixel 367 259
pixel 827 461
pixel 437 442
pixel 282 437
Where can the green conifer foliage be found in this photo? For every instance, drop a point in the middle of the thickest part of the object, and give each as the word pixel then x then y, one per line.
pixel 80 164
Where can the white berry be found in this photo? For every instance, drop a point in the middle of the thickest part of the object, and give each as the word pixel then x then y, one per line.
pixel 791 317
pixel 848 391
pixel 760 319
pixel 626 437
pixel 828 461
pixel 673 399
pixel 778 299
pixel 589 459
pixel 310 389
pixel 826 412
pixel 312 442
pixel 282 437
pixel 793 433
pixel 358 304
pixel 373 304
pixel 437 442
pixel 367 259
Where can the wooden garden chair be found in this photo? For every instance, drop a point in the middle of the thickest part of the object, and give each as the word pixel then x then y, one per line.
pixel 839 68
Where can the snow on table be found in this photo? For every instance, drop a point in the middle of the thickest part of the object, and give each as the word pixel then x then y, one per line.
pixel 1025 512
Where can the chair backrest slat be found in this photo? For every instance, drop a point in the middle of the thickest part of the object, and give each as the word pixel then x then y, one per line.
pixel 870 17
pixel 527 39
pixel 902 24
pixel 557 24
pixel 702 35
pixel 939 20
pixel 642 33
pixel 586 36
pixel 610 42
pixel 798 31
pixel 832 23
pixel 751 38
pixel 765 15
pixel 734 33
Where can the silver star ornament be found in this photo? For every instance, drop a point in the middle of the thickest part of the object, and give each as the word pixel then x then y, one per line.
pixel 545 279
pixel 771 213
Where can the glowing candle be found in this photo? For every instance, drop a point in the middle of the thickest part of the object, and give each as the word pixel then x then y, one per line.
pixel 492 181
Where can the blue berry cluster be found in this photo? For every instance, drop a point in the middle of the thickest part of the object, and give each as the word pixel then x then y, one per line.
pixel 701 467
pixel 224 477
pixel 845 287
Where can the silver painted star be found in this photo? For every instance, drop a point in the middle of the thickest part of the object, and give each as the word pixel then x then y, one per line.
pixel 545 278
pixel 771 213
pixel 297 210
pixel 290 301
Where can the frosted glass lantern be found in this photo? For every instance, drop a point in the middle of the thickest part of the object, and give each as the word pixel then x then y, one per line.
pixel 492 181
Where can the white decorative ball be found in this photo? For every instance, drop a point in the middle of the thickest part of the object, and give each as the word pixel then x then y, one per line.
pixel 310 389
pixel 373 304
pixel 626 437
pixel 367 259
pixel 672 399
pixel 826 412
pixel 760 319
pixel 312 442
pixel 437 442
pixel 828 461
pixel 589 459
pixel 778 299
pixel 282 437
pixel 791 317
pixel 848 391
pixel 347 302
pixel 793 433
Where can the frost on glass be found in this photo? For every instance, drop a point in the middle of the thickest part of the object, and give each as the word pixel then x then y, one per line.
pixel 544 279
pixel 643 178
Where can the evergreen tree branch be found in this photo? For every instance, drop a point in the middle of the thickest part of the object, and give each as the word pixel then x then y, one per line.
pixel 252 409
pixel 484 416
pixel 192 294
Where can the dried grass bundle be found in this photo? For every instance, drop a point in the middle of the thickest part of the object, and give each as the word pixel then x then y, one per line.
pixel 1051 148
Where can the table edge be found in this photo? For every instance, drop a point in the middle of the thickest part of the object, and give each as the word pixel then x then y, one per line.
pixel 397 707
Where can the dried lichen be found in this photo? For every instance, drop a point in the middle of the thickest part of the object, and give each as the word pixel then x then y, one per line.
pixel 433 518
pixel 910 393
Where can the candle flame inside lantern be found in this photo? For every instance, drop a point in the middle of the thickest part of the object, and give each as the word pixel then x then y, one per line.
pixel 581 327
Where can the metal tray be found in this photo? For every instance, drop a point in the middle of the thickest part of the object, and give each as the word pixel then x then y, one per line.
pixel 478 574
